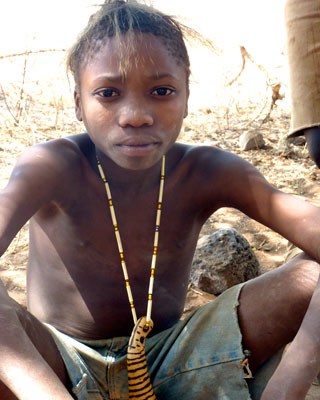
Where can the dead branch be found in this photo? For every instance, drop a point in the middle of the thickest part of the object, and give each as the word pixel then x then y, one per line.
pixel 19 103
pixel 275 96
pixel 26 53
pixel 7 105
pixel 243 49
pixel 245 54
pixel 275 87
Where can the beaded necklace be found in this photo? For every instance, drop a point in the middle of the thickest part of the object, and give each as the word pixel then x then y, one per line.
pixel 119 243
pixel 138 378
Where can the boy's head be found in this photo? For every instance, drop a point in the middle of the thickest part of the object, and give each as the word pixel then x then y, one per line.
pixel 118 17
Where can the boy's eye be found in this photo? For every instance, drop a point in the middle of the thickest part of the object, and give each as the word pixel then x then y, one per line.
pixel 107 93
pixel 162 91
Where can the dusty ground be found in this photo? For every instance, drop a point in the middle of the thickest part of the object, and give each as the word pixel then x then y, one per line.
pixel 30 117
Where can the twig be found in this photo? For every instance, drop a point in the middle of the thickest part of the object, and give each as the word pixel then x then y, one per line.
pixel 7 105
pixel 275 96
pixel 253 62
pixel 30 126
pixel 243 55
pixel 26 53
pixel 196 291
pixel 19 102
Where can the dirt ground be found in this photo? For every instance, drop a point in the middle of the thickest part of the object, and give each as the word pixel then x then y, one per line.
pixel 26 119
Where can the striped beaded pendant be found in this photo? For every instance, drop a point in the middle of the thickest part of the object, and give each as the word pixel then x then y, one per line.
pixel 138 377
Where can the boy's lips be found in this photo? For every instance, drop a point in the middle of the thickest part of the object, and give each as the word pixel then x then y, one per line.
pixel 137 147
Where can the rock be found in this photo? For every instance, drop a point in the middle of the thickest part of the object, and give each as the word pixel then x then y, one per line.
pixel 251 140
pixel 223 259
pixel 297 140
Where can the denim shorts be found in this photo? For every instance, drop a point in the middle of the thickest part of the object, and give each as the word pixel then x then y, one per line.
pixel 201 357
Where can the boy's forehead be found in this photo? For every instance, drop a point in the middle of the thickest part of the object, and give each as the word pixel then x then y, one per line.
pixel 130 51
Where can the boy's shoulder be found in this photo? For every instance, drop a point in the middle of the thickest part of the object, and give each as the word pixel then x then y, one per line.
pixel 43 175
pixel 44 164
pixel 77 144
pixel 197 153
pixel 61 152
pixel 209 168
pixel 208 159
pixel 202 151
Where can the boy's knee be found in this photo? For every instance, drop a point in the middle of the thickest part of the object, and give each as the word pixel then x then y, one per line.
pixel 13 311
pixel 305 263
pixel 303 276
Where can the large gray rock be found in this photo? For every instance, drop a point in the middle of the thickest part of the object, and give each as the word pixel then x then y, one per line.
pixel 223 259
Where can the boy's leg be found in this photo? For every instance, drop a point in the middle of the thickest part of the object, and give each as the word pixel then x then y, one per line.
pixel 20 330
pixel 272 308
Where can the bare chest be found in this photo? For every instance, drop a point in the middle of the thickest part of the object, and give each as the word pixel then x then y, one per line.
pixel 90 231
pixel 77 253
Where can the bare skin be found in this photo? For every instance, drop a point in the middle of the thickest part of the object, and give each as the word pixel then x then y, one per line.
pixel 75 281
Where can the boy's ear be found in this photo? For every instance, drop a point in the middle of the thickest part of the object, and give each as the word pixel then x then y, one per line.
pixel 186 111
pixel 77 102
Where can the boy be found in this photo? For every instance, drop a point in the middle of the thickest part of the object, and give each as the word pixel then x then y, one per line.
pixel 131 71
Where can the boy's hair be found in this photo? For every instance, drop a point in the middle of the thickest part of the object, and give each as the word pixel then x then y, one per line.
pixel 118 17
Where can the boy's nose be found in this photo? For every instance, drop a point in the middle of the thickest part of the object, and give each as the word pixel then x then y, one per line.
pixel 135 115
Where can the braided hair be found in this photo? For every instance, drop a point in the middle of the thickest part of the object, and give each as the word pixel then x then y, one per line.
pixel 116 18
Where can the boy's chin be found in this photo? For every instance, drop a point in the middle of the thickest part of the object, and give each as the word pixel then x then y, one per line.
pixel 137 164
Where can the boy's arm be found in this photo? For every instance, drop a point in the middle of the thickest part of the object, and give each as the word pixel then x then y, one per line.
pixel 37 179
pixel 22 368
pixel 33 183
pixel 242 186
pixel 299 222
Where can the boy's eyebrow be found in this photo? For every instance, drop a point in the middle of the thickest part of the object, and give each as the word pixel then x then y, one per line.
pixel 156 76
pixel 119 77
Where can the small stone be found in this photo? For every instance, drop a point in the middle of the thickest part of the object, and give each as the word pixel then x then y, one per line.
pixel 297 140
pixel 251 140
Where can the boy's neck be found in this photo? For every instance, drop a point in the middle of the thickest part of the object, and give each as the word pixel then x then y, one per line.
pixel 127 179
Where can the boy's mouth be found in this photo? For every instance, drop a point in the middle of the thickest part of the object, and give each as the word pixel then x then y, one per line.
pixel 134 147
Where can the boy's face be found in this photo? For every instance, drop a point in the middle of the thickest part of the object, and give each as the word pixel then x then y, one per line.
pixel 134 118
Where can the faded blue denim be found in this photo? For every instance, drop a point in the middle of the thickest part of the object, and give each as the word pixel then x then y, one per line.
pixel 199 358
